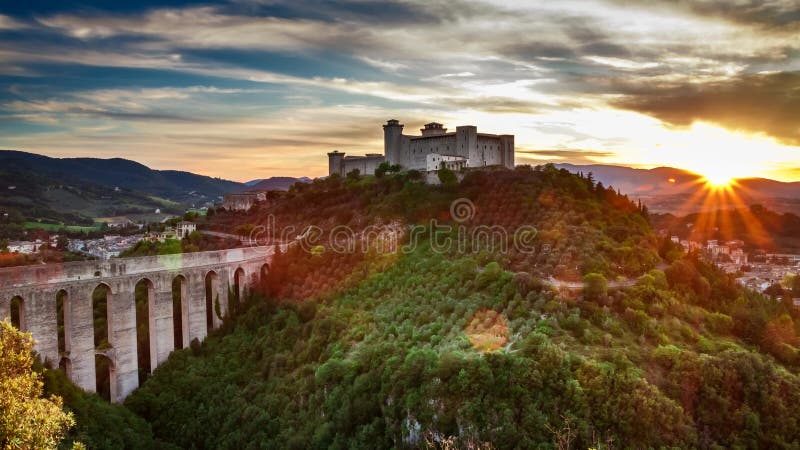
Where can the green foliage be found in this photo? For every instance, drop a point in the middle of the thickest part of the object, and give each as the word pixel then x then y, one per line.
pixel 370 350
pixel 194 242
pixel 595 286
pixel 447 177
pixel 99 424
pixel 719 323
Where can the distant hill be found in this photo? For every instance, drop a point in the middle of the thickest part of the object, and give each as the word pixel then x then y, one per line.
pixel 117 172
pixel 677 191
pixel 77 190
pixel 276 183
pixel 757 226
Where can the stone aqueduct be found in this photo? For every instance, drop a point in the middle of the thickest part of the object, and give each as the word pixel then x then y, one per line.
pixel 34 290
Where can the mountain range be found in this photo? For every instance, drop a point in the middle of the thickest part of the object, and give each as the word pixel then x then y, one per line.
pixel 81 189
pixel 670 190
pixel 78 190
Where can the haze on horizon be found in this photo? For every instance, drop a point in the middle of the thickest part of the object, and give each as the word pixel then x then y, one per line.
pixel 255 88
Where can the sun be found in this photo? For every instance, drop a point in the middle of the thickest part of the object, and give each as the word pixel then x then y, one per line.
pixel 722 173
pixel 718 180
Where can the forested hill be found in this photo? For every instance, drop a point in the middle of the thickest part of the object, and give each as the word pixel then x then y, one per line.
pixel 116 172
pixel 470 346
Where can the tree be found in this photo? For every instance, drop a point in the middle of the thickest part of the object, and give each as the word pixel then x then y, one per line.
pixel 780 338
pixel 27 421
pixel 414 175
pixel 447 177
pixel 354 175
pixel 62 243
pixel 245 229
pixel 792 284
pixel 382 169
pixel 595 286
pixel 774 290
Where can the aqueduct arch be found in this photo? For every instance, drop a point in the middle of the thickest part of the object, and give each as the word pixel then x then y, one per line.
pixel 180 312
pixel 55 303
pixel 17 313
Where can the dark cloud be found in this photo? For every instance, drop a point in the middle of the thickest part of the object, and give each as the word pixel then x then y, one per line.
pixel 378 11
pixel 765 103
pixel 387 12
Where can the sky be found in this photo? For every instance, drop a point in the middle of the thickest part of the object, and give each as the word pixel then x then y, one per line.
pixel 249 89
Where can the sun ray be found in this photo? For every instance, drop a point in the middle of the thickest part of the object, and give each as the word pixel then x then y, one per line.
pixel 716 205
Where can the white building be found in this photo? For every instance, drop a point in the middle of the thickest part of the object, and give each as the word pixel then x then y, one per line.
pixel 464 148
pixel 184 229
pixel 435 161
pixel 25 247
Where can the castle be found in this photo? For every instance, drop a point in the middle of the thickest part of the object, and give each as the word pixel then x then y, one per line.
pixel 433 149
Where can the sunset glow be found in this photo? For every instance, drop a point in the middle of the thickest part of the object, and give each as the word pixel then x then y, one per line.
pixel 718 180
pixel 203 87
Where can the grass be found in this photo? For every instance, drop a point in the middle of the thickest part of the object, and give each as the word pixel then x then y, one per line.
pixel 60 226
pixel 164 202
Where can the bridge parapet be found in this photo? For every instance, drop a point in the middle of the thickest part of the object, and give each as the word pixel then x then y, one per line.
pixel 15 277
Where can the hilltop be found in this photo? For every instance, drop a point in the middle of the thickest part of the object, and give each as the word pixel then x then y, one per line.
pixel 275 183
pixel 465 346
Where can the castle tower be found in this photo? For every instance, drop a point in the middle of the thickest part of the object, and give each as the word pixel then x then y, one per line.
pixel 507 150
pixel 392 141
pixel 335 162
pixel 467 145
pixel 433 129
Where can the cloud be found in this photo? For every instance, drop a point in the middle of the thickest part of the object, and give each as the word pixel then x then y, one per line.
pixel 760 103
pixel 573 156
pixel 9 23
pixel 770 14
pixel 555 75
pixel 146 104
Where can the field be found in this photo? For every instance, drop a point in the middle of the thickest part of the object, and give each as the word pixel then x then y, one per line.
pixel 60 226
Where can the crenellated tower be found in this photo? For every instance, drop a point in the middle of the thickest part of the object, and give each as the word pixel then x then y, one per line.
pixel 393 141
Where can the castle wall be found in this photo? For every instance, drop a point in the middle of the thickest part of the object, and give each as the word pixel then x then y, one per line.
pixel 489 151
pixel 366 165
pixel 507 150
pixel 420 148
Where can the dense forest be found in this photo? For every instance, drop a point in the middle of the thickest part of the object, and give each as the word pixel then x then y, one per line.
pixel 478 346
